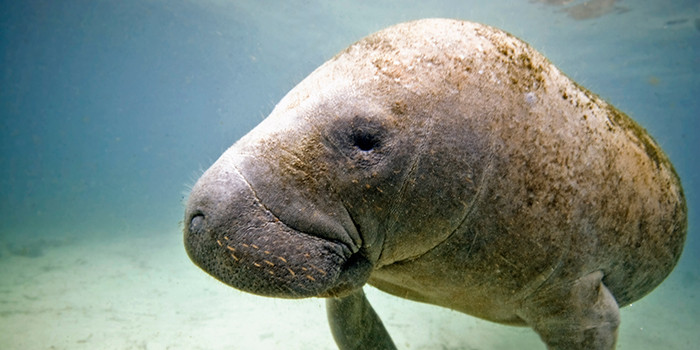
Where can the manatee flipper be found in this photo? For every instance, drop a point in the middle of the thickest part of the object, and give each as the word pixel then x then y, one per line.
pixel 355 325
pixel 584 315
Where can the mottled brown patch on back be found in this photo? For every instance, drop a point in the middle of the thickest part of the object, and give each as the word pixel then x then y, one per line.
pixel 639 136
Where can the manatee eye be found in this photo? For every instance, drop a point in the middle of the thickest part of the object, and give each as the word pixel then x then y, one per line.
pixel 364 140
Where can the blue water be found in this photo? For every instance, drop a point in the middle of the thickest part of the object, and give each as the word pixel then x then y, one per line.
pixel 109 110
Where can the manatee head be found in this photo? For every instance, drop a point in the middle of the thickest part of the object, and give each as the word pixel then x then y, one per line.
pixel 356 168
pixel 292 209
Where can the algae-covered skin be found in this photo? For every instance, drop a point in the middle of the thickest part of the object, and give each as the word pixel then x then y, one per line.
pixel 445 162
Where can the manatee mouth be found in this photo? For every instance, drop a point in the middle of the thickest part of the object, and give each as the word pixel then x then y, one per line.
pixel 232 236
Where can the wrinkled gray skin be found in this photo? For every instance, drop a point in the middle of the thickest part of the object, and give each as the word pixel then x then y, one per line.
pixel 445 162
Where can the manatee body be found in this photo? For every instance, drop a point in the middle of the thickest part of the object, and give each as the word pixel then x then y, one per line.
pixel 449 163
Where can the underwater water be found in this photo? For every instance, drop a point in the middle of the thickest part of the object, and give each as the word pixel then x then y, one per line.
pixel 110 110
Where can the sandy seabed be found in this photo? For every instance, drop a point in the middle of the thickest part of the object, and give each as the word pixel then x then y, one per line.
pixel 142 292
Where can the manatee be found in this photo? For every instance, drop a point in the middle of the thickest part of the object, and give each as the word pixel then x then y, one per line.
pixel 449 163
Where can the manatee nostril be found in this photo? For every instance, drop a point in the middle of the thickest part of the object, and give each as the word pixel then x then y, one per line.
pixel 197 223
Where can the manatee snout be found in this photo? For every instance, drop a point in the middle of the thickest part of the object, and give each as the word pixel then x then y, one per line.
pixel 233 236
